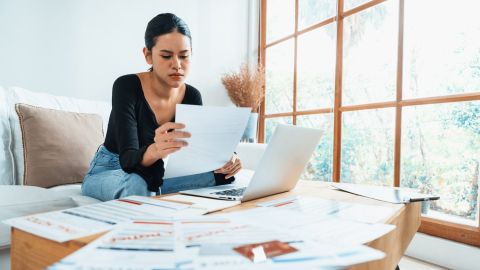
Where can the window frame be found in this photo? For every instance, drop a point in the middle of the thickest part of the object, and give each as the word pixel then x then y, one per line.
pixel 457 232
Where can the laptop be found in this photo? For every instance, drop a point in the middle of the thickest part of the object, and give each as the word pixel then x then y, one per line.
pixel 279 169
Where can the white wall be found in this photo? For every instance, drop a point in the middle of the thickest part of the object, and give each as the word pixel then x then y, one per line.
pixel 78 47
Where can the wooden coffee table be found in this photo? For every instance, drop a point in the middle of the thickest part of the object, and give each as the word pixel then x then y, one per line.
pixel 29 251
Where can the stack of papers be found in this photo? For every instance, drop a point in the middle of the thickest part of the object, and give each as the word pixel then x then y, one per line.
pixel 141 244
pixel 387 194
pixel 205 243
pixel 83 221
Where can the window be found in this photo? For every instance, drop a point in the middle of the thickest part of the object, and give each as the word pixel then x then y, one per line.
pixel 367 147
pixel 394 85
pixel 440 154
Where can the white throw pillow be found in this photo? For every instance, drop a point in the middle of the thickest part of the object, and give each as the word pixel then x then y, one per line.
pixel 6 156
pixel 19 95
pixel 250 154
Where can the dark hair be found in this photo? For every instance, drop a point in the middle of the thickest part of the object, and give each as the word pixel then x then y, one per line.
pixel 163 24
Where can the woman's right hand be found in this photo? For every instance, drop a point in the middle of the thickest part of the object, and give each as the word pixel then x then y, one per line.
pixel 167 140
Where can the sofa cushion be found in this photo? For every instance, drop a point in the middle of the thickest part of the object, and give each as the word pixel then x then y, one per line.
pixel 58 145
pixel 17 201
pixel 6 157
pixel 15 95
pixel 74 191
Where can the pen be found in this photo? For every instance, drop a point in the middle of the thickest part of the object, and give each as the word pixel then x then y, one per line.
pixel 418 199
pixel 423 199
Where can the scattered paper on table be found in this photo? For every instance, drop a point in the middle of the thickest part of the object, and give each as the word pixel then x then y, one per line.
pixel 86 220
pixel 205 243
pixel 333 208
pixel 319 227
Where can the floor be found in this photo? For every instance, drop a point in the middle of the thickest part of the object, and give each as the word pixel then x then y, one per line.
pixel 5 258
pixel 409 263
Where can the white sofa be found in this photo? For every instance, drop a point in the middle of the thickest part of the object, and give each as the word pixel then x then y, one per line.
pixel 17 199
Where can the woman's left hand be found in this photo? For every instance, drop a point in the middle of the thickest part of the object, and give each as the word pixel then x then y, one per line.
pixel 230 168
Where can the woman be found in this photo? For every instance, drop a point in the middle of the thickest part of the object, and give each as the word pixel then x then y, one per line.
pixel 142 130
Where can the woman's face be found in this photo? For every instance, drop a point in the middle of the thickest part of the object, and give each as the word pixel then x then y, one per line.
pixel 170 58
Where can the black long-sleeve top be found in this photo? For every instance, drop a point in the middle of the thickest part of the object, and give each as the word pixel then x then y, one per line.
pixel 132 125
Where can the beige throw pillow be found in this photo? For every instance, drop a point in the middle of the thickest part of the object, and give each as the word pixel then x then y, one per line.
pixel 57 145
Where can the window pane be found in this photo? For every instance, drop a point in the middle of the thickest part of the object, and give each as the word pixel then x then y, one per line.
pixel 367 147
pixel 440 155
pixel 311 12
pixel 280 19
pixel 349 4
pixel 271 124
pixel 370 54
pixel 320 165
pixel 442 53
pixel 279 78
pixel 316 68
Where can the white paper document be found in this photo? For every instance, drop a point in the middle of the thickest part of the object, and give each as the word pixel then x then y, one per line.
pixel 86 220
pixel 216 132
pixel 206 204
pixel 319 227
pixel 387 194
pixel 217 230
pixel 333 208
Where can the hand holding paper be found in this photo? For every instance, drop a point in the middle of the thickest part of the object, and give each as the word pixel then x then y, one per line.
pixel 167 140
pixel 231 168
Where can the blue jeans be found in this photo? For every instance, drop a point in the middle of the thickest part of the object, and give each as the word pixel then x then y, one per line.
pixel 105 180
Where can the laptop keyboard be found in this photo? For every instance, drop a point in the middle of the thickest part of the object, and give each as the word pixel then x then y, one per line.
pixel 232 192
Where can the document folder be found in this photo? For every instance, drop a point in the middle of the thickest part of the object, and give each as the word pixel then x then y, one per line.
pixel 387 194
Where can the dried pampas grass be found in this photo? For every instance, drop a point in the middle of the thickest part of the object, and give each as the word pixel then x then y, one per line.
pixel 245 88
